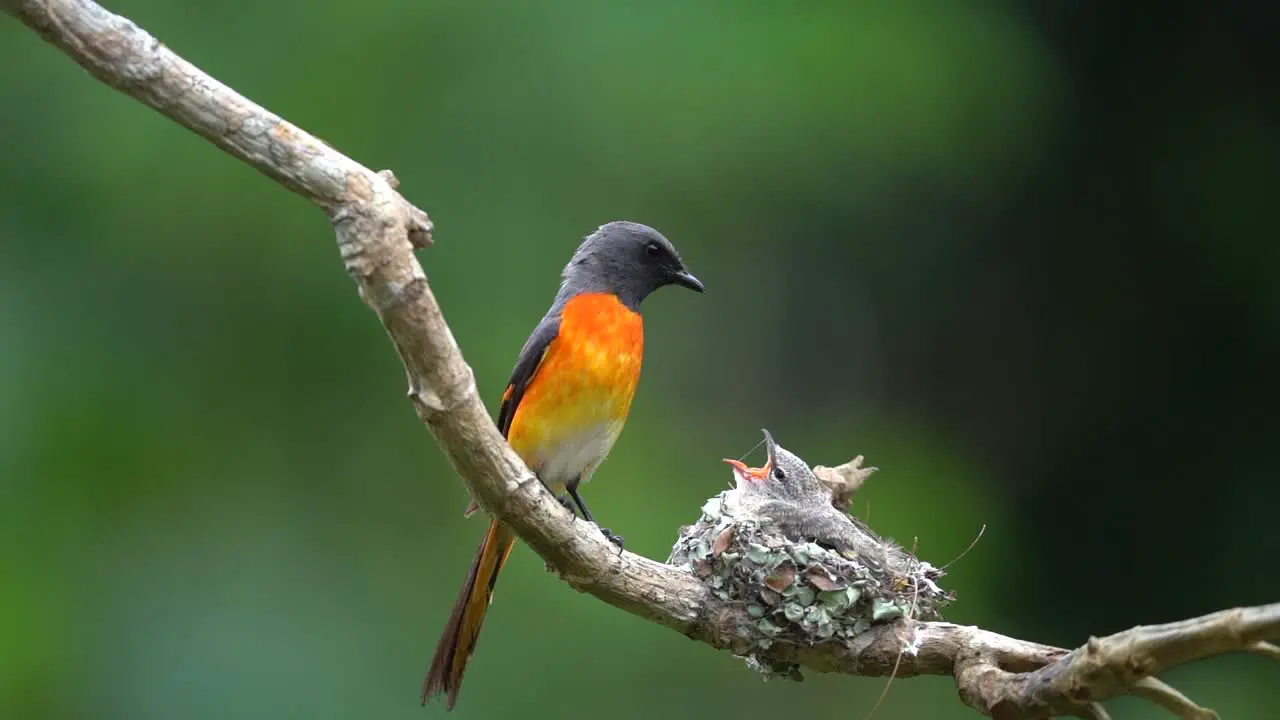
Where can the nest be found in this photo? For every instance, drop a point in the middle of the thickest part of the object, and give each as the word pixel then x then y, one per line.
pixel 799 592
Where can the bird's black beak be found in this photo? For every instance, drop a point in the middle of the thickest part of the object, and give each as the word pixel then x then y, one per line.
pixel 684 278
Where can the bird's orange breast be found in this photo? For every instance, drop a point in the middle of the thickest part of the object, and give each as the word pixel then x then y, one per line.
pixel 578 400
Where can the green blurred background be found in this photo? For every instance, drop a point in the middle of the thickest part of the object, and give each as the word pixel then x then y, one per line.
pixel 1023 256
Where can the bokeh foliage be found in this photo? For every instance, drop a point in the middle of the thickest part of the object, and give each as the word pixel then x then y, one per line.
pixel 1021 256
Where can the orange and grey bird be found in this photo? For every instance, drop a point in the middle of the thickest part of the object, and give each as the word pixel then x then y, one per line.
pixel 566 403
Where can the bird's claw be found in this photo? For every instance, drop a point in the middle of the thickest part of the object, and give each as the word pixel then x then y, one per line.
pixel 615 539
pixel 567 503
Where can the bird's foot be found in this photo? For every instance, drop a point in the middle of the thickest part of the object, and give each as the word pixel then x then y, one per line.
pixel 567 503
pixel 615 539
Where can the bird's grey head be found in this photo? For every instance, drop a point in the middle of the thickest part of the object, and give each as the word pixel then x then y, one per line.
pixel 784 476
pixel 628 259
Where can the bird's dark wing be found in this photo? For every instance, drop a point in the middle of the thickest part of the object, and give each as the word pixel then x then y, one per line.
pixel 531 355
pixel 822 524
pixel 527 364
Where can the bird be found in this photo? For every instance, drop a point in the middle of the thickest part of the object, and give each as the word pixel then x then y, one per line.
pixel 788 496
pixel 565 404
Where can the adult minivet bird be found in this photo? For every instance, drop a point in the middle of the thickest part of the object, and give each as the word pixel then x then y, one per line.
pixel 566 403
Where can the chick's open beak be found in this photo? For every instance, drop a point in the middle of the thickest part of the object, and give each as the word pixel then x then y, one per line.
pixel 770 448
pixel 745 474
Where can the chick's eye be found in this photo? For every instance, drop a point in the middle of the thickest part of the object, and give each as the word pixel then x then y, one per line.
pixel 778 474
pixel 652 250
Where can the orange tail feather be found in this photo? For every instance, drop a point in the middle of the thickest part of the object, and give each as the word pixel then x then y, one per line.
pixel 458 641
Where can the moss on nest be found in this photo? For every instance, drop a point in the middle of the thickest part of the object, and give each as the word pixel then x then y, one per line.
pixel 797 591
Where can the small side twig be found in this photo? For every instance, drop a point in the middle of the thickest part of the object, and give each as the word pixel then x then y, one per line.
pixel 1266 650
pixel 1170 699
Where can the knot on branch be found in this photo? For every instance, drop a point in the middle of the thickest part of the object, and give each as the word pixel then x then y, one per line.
pixel 797 591
pixel 418 225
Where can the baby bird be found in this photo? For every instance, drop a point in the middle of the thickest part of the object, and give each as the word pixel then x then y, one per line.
pixel 785 495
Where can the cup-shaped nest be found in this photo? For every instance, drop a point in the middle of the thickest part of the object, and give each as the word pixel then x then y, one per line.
pixel 798 591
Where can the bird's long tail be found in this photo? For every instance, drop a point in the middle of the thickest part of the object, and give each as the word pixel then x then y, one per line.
pixel 458 641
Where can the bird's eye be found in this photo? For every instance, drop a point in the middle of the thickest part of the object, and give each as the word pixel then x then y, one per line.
pixel 652 249
pixel 778 474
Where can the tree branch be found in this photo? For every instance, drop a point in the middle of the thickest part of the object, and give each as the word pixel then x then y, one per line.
pixel 377 231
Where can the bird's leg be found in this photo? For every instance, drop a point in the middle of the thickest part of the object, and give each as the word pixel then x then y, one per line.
pixel 567 503
pixel 586 515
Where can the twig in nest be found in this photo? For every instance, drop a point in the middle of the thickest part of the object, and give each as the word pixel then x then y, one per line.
pixel 964 552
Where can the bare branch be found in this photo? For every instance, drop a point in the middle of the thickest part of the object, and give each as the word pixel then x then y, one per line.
pixel 1118 664
pixel 1104 668
pixel 129 59
pixel 377 230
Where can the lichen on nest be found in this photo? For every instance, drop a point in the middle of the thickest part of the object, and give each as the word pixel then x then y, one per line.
pixel 798 591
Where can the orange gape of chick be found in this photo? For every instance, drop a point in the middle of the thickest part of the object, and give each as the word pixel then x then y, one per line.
pixel 566 403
